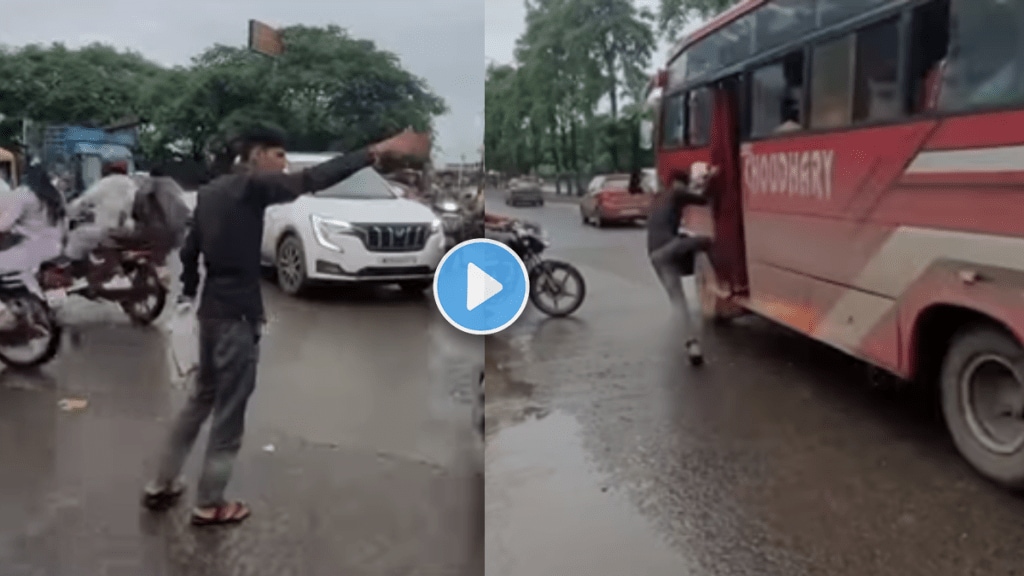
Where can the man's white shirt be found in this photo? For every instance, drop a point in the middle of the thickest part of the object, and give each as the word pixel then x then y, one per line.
pixel 110 200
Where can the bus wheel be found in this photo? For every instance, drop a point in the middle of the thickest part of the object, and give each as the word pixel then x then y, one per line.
pixel 714 308
pixel 983 402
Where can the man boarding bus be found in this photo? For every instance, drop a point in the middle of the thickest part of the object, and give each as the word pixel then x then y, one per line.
pixel 872 169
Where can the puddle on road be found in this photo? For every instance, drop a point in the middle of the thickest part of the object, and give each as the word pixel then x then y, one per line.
pixel 548 513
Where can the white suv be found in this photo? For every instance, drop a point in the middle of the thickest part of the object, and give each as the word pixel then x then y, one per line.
pixel 358 230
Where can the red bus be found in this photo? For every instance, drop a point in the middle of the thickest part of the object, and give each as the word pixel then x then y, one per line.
pixel 872 189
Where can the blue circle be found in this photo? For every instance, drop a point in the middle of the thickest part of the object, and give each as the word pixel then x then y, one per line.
pixel 451 286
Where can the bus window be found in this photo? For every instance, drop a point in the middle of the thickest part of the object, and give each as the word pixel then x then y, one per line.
pixel 776 97
pixel 876 90
pixel 984 69
pixel 673 126
pixel 835 11
pixel 929 47
pixel 832 83
pixel 781 21
pixel 738 40
pixel 699 114
pixel 705 56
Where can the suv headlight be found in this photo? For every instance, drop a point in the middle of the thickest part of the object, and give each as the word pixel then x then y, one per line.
pixel 326 230
pixel 436 226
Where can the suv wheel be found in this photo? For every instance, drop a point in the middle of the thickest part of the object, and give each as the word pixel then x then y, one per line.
pixel 291 266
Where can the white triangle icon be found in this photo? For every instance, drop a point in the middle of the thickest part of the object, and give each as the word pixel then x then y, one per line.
pixel 480 287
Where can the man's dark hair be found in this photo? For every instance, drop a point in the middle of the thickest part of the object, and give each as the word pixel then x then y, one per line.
pixel 259 137
pixel 38 180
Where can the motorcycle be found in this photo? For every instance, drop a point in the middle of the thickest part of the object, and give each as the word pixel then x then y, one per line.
pixel 460 216
pixel 143 300
pixel 35 323
pixel 529 242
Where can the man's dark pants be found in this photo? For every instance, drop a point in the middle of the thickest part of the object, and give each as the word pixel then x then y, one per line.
pixel 671 263
pixel 228 354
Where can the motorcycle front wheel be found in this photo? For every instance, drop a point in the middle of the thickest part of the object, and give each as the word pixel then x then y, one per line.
pixel 25 351
pixel 557 288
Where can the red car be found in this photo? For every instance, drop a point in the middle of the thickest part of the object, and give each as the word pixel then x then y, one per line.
pixel 609 201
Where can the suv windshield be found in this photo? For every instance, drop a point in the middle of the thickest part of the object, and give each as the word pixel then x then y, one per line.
pixel 366 184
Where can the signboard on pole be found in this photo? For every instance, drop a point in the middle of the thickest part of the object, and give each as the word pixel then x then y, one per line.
pixel 265 40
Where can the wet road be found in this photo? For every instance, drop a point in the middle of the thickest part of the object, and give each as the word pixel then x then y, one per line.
pixel 608 454
pixel 359 455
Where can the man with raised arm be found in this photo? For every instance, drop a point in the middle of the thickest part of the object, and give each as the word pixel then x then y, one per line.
pixel 227 232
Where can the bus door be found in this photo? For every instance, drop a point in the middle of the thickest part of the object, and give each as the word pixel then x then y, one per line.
pixel 728 255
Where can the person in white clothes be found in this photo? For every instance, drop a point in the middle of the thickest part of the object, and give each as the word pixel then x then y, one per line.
pixel 109 202
pixel 31 232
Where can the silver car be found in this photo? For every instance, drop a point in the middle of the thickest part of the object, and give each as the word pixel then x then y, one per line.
pixel 524 193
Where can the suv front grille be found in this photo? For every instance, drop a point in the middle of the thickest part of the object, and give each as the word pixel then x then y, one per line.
pixel 393 237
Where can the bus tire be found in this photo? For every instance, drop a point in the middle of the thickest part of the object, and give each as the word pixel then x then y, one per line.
pixel 713 307
pixel 986 355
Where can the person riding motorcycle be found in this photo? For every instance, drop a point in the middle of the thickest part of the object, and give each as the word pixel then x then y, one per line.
pixel 160 215
pixel 497 227
pixel 109 202
pixel 31 232
pixel 497 221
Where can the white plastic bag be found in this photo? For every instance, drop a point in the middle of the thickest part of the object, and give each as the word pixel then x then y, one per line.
pixel 183 335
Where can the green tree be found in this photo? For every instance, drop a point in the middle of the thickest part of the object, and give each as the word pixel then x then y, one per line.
pixel 505 126
pixel 574 57
pixel 674 15
pixel 620 37
pixel 54 84
pixel 328 91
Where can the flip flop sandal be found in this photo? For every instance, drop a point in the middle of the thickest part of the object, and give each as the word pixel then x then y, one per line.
pixel 163 499
pixel 225 514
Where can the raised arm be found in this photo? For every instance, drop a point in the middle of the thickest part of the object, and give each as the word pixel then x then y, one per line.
pixel 276 188
pixel 279 188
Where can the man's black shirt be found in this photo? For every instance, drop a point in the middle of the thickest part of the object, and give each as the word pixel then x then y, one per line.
pixel 666 216
pixel 227 231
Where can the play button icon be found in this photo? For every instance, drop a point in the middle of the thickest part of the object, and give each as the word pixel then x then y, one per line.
pixel 481 286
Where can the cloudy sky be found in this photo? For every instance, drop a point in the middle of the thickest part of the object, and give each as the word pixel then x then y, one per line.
pixel 506 20
pixel 439 40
